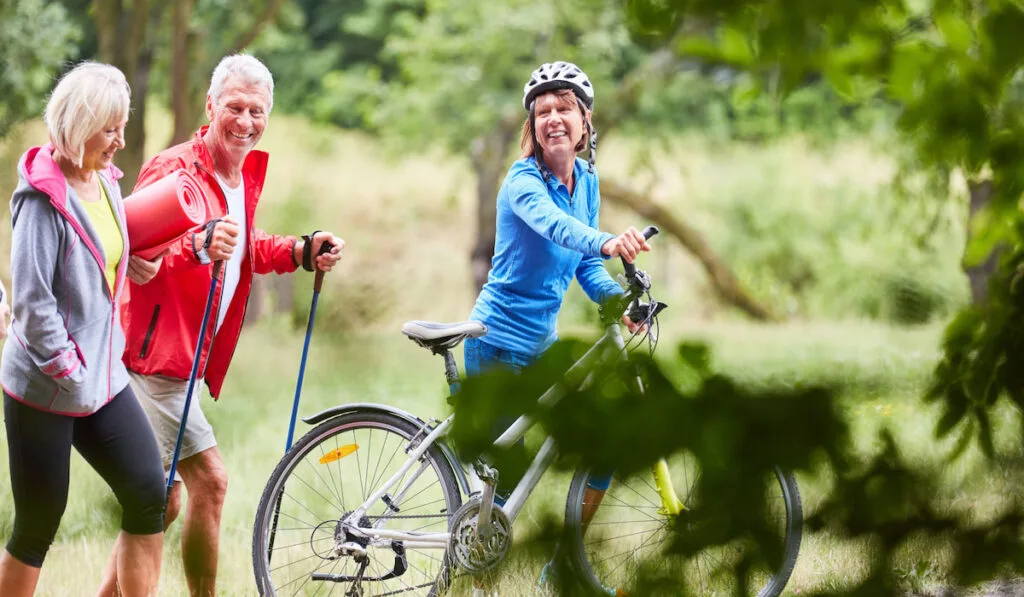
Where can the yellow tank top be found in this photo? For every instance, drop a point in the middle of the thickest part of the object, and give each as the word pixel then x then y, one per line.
pixel 103 220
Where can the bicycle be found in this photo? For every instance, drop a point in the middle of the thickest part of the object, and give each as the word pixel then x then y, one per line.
pixel 394 522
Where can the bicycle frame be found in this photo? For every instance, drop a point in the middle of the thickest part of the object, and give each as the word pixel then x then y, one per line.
pixel 610 344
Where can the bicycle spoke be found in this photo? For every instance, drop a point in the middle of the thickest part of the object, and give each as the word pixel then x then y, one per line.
pixel 317 497
pixel 622 542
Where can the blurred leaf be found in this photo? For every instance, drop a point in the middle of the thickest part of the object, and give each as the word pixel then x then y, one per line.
pixel 955 30
pixel 907 62
pixel 1002 27
pixel 991 226
pixel 842 82
pixel 745 92
pixel 735 46
pixel 696 356
pixel 698 46
pixel 657 18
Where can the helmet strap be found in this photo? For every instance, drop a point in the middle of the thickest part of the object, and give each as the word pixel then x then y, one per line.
pixel 592 134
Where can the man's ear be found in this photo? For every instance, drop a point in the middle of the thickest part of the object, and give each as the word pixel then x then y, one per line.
pixel 209 108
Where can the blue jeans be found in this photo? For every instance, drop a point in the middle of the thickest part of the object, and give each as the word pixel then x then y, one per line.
pixel 481 356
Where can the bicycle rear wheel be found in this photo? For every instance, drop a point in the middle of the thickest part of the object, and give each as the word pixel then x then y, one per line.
pixel 628 540
pixel 331 471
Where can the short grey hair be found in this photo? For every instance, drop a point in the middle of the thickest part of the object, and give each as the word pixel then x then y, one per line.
pixel 87 99
pixel 246 67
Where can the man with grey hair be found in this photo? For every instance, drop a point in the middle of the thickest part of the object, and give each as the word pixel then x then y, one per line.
pixel 162 317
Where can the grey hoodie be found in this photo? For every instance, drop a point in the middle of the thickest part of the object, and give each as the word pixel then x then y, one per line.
pixel 64 351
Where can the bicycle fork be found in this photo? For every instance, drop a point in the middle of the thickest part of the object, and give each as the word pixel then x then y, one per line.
pixel 670 503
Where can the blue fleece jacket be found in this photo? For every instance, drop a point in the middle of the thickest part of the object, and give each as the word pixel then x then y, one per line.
pixel 544 237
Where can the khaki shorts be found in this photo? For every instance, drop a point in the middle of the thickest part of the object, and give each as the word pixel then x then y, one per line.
pixel 163 400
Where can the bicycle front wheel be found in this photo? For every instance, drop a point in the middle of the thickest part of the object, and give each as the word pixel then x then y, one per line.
pixel 329 473
pixel 623 538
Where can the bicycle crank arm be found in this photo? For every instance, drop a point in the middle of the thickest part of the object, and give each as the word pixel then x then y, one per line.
pixel 400 568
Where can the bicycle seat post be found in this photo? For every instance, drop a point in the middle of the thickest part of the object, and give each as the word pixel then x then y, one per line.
pixel 451 372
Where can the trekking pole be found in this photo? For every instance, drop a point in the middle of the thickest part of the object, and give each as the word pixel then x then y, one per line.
pixel 217 267
pixel 318 282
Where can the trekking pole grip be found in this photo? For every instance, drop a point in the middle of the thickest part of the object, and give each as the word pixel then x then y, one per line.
pixel 318 278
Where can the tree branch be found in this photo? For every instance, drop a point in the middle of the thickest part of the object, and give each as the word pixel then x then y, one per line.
pixel 721 276
pixel 257 27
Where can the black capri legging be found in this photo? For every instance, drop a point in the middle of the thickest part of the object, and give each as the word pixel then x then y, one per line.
pixel 116 440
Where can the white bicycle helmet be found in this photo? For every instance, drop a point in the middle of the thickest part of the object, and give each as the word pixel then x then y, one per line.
pixel 558 75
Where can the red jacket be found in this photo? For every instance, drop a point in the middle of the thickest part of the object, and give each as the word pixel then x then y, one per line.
pixel 162 317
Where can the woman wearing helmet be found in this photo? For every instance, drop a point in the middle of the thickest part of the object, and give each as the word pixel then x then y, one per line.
pixel 547 233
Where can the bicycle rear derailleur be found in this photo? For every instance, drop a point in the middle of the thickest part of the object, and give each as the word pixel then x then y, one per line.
pixel 350 542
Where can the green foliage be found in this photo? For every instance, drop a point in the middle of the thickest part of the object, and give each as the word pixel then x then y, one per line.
pixel 333 54
pixel 714 102
pixel 954 67
pixel 463 65
pixel 36 38
pixel 834 249
pixel 737 432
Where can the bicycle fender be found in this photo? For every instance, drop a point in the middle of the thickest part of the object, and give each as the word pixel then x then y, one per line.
pixel 344 409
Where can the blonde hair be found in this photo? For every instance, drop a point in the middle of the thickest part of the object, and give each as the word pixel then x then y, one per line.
pixel 567 98
pixel 87 99
pixel 247 68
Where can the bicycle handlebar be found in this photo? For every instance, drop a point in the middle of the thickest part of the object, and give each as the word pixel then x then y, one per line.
pixel 629 268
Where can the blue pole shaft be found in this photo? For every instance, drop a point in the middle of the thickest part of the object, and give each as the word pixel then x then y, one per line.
pixel 192 382
pixel 302 370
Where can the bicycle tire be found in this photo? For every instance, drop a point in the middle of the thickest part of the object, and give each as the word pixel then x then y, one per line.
pixel 362 429
pixel 687 577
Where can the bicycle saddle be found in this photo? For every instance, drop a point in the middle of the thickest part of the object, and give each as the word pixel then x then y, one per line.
pixel 443 336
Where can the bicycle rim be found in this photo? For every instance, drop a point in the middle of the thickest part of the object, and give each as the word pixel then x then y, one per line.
pixel 628 541
pixel 327 474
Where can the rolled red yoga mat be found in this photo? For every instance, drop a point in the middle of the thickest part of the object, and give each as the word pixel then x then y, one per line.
pixel 163 212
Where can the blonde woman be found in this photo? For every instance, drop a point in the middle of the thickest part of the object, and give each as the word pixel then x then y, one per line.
pixel 64 384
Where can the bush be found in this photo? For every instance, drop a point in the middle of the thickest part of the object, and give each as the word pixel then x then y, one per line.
pixel 840 248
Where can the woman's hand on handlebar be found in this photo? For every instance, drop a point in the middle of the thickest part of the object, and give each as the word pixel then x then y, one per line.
pixel 627 245
pixel 633 327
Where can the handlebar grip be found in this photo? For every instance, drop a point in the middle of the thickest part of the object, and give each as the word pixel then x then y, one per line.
pixel 629 268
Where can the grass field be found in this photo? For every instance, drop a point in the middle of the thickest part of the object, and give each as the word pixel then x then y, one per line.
pixel 887 368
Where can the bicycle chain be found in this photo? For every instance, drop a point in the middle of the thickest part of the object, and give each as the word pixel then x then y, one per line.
pixel 409 516
pixel 454 575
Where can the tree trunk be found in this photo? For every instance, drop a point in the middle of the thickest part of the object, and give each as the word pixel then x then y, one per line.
pixel 125 41
pixel 192 65
pixel 980 274
pixel 721 276
pixel 183 99
pixel 488 154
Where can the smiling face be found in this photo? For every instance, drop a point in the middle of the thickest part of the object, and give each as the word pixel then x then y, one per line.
pixel 558 124
pixel 237 118
pixel 100 148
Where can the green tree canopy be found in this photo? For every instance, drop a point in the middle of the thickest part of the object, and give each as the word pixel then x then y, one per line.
pixel 36 38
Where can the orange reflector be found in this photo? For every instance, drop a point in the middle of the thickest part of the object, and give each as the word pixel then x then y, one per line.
pixel 339 453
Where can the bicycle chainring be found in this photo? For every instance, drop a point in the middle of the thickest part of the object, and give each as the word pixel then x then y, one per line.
pixel 475 551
